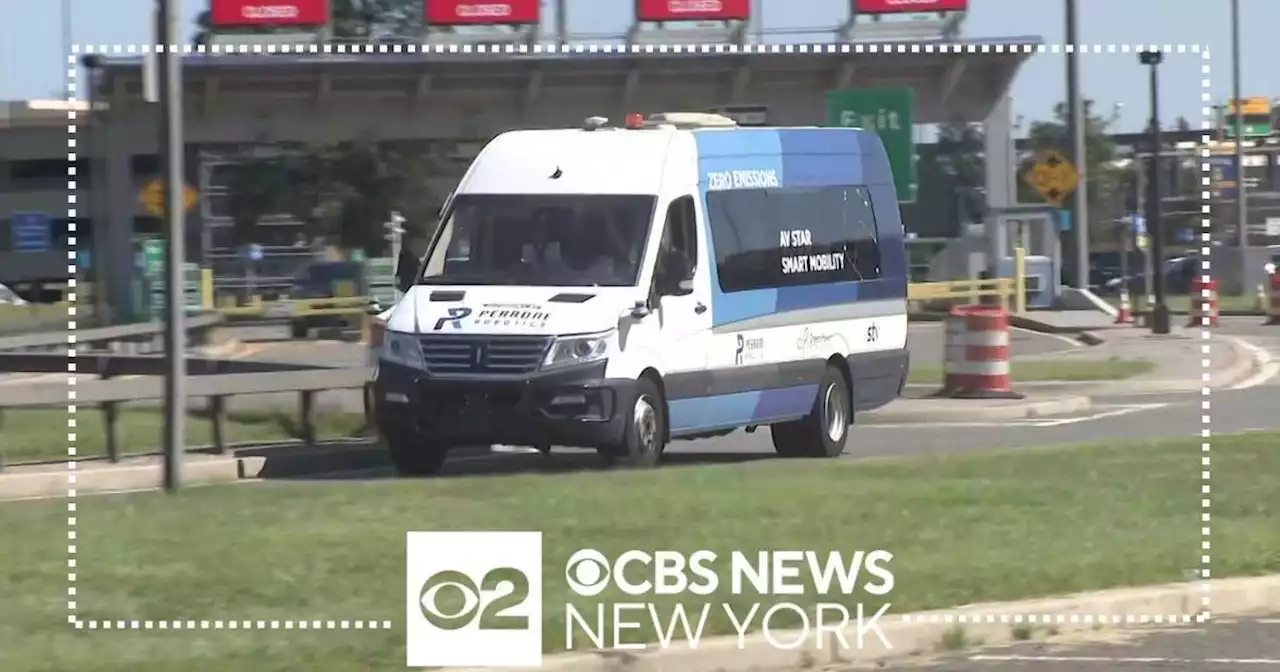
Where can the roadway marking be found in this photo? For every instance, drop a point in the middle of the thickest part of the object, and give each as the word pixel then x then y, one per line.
pixel 1112 660
pixel 1268 368
pixel 1115 411
pixel 1074 343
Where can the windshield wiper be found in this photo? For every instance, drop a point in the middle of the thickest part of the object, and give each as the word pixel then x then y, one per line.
pixel 460 279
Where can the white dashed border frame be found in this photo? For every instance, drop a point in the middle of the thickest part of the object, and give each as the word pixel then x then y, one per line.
pixel 1206 375
pixel 73 617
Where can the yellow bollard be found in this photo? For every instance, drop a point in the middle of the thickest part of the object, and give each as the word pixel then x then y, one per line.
pixel 206 288
pixel 1019 280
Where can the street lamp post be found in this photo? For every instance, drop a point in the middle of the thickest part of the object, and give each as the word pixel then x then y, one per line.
pixel 1242 212
pixel 1155 229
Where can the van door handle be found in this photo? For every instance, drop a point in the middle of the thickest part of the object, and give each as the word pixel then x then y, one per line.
pixel 699 309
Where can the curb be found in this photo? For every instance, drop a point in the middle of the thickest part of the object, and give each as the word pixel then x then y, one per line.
pixel 920 633
pixel 55 481
pixel 965 410
pixel 268 461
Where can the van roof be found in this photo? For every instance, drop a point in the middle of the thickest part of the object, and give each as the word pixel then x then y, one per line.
pixel 635 160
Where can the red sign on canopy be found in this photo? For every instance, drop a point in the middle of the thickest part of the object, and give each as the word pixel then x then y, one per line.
pixel 908 6
pixel 249 13
pixel 693 10
pixel 481 12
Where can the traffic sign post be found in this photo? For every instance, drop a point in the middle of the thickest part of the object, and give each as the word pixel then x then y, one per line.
pixel 891 114
pixel 381 279
pixel 395 234
pixel 1053 177
pixel 153 258
pixel 31 231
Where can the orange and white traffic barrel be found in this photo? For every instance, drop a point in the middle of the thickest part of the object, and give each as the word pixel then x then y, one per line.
pixel 1125 314
pixel 1273 298
pixel 976 363
pixel 1203 310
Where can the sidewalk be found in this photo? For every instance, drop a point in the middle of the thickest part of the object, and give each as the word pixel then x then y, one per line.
pixel 1178 358
pixel 918 406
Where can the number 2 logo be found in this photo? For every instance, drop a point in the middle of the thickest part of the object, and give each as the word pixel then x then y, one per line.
pixel 451 600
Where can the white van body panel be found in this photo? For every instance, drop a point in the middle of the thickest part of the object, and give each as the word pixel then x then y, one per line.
pixel 682 334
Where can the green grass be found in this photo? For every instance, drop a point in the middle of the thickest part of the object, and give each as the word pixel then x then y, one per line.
pixel 1072 370
pixel 34 317
pixel 41 434
pixel 963 528
pixel 1182 303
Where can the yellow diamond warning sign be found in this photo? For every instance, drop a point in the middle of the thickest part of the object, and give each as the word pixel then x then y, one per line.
pixel 1053 176
pixel 152 198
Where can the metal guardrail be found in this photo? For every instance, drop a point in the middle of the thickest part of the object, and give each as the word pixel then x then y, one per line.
pixel 975 291
pixel 1010 293
pixel 139 378
pixel 199 330
pixel 297 308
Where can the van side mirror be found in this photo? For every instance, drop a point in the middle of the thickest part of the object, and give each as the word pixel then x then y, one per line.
pixel 675 277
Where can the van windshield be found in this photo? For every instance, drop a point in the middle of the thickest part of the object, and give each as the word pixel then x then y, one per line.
pixel 555 240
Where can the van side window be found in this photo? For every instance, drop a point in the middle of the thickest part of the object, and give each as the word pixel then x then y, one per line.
pixel 787 237
pixel 681 231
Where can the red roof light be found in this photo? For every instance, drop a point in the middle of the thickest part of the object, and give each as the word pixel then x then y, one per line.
pixel 635 120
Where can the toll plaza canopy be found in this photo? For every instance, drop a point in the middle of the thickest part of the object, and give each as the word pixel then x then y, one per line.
pixel 327 96
pixel 462 93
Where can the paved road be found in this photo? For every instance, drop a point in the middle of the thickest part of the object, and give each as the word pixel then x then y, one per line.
pixel 1122 417
pixel 1234 645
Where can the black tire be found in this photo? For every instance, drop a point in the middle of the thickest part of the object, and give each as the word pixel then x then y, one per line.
pixel 298 329
pixel 414 456
pixel 812 435
pixel 645 437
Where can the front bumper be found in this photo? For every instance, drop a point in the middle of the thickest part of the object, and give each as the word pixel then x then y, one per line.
pixel 576 406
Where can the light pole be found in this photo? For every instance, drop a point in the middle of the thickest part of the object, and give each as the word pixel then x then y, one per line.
pixel 1155 228
pixel 171 150
pixel 1076 124
pixel 1242 213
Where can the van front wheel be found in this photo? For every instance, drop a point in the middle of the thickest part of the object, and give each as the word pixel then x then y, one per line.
pixel 644 437
pixel 824 431
pixel 411 455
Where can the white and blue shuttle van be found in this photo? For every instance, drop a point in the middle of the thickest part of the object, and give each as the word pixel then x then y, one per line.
pixel 619 288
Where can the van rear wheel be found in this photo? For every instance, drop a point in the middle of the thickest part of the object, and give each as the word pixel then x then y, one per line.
pixel 824 431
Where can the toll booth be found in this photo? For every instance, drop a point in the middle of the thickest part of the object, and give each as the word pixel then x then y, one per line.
pixel 1035 230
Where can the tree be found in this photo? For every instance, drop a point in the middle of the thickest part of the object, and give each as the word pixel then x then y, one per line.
pixel 1099 172
pixel 346 190
pixel 961 159
pixel 252 193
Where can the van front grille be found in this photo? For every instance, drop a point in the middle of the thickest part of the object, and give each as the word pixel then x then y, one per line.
pixel 470 354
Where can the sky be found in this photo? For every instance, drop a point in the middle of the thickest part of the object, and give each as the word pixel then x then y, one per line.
pixel 32 66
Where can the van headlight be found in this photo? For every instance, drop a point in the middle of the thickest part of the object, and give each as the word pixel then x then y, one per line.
pixel 1270 268
pixel 583 349
pixel 402 349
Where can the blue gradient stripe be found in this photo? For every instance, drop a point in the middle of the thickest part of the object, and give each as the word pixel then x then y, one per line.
pixel 808 157
pixel 733 410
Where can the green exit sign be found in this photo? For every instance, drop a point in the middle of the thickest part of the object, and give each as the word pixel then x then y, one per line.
pixel 1248 130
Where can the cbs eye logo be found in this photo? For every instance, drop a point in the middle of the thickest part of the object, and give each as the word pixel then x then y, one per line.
pixel 587 572
pixel 451 600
